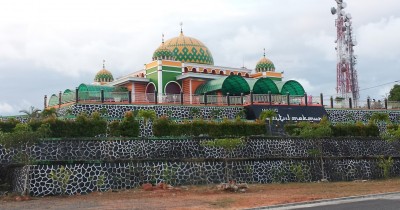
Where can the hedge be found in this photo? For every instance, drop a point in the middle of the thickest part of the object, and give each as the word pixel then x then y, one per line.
pixel 165 127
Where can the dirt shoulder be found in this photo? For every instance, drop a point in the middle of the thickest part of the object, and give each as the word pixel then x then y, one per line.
pixel 204 197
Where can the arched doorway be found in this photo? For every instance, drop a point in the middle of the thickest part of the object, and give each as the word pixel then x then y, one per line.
pixel 172 92
pixel 150 90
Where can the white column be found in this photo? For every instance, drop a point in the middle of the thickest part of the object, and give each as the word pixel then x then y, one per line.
pixel 160 83
pixel 190 87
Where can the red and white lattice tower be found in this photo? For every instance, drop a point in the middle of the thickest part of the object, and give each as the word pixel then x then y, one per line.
pixel 346 81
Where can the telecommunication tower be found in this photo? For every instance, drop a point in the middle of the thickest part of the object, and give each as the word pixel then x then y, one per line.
pixel 346 81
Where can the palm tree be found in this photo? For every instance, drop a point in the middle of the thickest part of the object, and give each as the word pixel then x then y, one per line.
pixel 379 117
pixel 32 114
pixel 147 115
pixel 268 114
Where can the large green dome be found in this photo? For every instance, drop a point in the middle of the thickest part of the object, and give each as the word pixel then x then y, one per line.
pixel 188 49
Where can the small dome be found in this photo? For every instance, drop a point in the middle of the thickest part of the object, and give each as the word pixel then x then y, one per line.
pixel 163 53
pixel 103 76
pixel 265 64
pixel 189 49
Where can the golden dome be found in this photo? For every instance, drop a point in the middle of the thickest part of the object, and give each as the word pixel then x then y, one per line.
pixel 103 76
pixel 265 64
pixel 189 49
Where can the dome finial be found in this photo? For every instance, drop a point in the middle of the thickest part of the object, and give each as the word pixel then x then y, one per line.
pixel 104 61
pixel 264 52
pixel 163 38
pixel 181 24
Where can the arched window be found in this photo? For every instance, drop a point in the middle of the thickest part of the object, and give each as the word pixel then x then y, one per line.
pixel 231 73
pixel 239 74
pixel 186 69
pixel 213 71
pixel 221 72
pixel 193 69
pixel 205 71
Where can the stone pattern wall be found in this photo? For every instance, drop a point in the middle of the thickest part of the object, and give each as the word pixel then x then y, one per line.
pixel 90 177
pixel 173 149
pixel 173 112
pixel 354 115
pixel 103 165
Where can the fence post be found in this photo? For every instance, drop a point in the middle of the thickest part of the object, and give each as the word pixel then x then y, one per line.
pixel 288 98
pixel 331 102
pixel 155 96
pixel 306 99
pixel 129 97
pixel 251 97
pixel 205 99
pixel 102 95
pixel 269 97
pixel 386 103
pixel 76 95
pixel 228 99
pixel 45 101
pixel 350 103
pixel 59 99
pixel 241 98
pixel 321 98
pixel 369 103
pixel 181 98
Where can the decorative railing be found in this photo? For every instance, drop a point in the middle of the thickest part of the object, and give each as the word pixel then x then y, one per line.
pixel 218 100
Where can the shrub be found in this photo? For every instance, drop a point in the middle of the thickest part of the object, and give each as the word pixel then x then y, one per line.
pixel 385 165
pixel 306 129
pixel 21 137
pixel 162 126
pixel 129 127
pixel 8 125
pixel 114 128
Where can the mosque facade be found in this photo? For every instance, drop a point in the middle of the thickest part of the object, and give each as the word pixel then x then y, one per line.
pixel 185 65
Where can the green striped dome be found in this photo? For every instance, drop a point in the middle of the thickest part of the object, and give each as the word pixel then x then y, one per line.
pixel 188 49
pixel 264 65
pixel 103 76
pixel 163 53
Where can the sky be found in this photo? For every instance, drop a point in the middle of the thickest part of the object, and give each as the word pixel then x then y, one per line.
pixel 48 46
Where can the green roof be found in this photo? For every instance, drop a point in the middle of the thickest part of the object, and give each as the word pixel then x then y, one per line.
pixel 292 87
pixel 53 100
pixel 86 87
pixel 68 96
pixel 234 85
pixel 263 86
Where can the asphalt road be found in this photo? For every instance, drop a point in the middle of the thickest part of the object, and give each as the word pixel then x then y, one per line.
pixel 372 202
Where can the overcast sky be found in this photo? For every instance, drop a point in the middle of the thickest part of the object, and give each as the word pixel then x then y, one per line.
pixel 47 46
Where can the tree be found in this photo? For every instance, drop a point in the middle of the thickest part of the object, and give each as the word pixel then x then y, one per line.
pixel 147 115
pixel 268 114
pixel 394 94
pixel 32 114
pixel 379 117
pixel 49 113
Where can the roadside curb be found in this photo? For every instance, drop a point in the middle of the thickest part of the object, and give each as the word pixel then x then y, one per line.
pixel 323 200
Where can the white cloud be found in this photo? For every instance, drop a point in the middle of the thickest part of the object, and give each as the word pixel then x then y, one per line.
pixel 5 108
pixel 380 40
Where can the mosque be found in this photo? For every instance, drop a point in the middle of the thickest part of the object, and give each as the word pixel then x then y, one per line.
pixel 182 65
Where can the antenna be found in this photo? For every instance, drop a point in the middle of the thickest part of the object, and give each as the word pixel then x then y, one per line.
pixel 346 80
